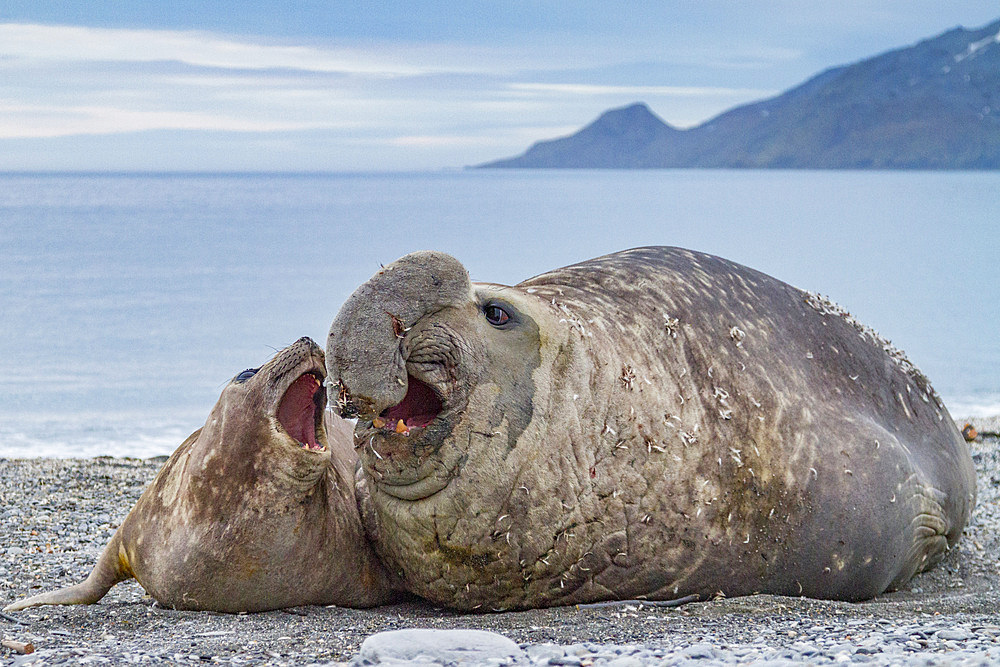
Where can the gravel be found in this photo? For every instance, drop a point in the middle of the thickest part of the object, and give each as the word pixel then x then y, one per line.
pixel 57 515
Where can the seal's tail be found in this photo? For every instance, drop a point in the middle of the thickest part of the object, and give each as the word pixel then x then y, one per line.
pixel 111 567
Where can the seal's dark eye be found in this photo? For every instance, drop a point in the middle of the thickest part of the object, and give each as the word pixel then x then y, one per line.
pixel 496 315
pixel 246 375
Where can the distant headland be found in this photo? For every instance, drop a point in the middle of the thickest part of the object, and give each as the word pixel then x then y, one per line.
pixel 933 105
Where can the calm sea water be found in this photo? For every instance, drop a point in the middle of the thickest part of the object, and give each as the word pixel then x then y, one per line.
pixel 128 301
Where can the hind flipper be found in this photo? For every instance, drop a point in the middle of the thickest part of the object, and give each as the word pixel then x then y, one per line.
pixel 111 568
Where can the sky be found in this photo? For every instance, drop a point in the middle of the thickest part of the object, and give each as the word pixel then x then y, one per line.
pixel 310 85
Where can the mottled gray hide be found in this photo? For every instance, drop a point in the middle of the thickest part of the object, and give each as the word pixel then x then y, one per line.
pixel 653 423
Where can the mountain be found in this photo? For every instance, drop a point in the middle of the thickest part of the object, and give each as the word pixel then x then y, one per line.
pixel 616 140
pixel 934 105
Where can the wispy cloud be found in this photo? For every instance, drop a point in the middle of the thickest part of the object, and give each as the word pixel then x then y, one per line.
pixel 28 121
pixel 639 91
pixel 60 81
pixel 522 135
pixel 201 49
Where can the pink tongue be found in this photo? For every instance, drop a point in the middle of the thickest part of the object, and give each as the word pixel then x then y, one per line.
pixel 297 412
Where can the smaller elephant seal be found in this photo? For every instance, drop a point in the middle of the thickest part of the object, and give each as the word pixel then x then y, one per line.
pixel 256 510
pixel 656 423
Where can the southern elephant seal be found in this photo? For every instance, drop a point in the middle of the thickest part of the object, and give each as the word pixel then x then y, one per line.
pixel 254 511
pixel 653 423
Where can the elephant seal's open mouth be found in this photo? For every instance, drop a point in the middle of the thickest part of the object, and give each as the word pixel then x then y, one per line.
pixel 401 446
pixel 300 411
pixel 417 410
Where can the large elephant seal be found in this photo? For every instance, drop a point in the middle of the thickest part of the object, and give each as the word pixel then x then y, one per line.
pixel 654 423
pixel 254 511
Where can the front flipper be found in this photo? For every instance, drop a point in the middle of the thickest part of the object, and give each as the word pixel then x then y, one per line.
pixel 930 527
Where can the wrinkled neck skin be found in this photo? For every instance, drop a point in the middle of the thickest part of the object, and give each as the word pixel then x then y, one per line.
pixel 507 461
pixel 248 520
pixel 233 447
pixel 234 464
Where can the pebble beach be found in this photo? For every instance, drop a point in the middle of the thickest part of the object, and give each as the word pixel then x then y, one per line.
pixel 57 515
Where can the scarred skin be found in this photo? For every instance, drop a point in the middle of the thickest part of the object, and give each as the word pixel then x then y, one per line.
pixel 654 423
pixel 243 516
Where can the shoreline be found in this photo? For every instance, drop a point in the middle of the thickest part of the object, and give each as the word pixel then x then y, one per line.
pixel 57 515
pixel 124 447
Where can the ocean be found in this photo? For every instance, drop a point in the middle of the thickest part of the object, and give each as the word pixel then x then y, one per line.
pixel 127 301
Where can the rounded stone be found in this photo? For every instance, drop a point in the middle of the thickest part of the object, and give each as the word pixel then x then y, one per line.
pixel 435 647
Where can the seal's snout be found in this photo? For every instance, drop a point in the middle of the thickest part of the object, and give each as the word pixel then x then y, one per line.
pixel 364 345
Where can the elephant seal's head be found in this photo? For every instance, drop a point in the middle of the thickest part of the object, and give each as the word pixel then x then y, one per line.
pixel 432 365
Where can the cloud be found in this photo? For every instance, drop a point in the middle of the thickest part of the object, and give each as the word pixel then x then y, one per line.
pixel 516 136
pixel 201 49
pixel 60 81
pixel 637 91
pixel 27 121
